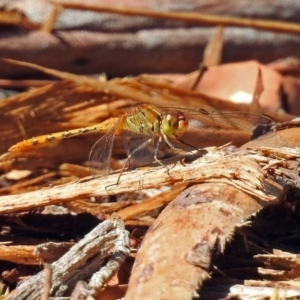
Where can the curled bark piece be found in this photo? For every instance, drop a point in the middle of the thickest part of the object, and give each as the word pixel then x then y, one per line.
pixel 175 255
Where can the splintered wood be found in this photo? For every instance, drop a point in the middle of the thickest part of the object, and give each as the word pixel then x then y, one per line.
pixel 241 171
pixel 189 241
pixel 110 236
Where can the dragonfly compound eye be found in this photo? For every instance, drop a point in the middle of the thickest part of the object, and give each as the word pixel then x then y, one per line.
pixel 174 124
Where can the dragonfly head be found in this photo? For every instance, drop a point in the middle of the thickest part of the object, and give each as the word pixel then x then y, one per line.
pixel 174 124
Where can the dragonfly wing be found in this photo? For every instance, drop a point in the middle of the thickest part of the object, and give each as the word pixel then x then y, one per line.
pixel 140 148
pixel 100 155
pixel 256 124
pixel 219 121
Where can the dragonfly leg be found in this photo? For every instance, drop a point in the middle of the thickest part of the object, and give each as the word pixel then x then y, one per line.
pixel 168 142
pixel 131 154
pixel 156 151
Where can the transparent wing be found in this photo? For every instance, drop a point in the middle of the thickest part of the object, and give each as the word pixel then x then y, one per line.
pixel 101 152
pixel 236 119
pixel 252 124
pixel 140 149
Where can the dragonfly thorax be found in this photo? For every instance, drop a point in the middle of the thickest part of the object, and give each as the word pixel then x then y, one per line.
pixel 174 124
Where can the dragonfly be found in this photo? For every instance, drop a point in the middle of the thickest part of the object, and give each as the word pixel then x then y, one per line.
pixel 150 134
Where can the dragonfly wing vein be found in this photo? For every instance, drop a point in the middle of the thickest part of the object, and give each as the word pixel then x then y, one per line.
pixel 101 153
